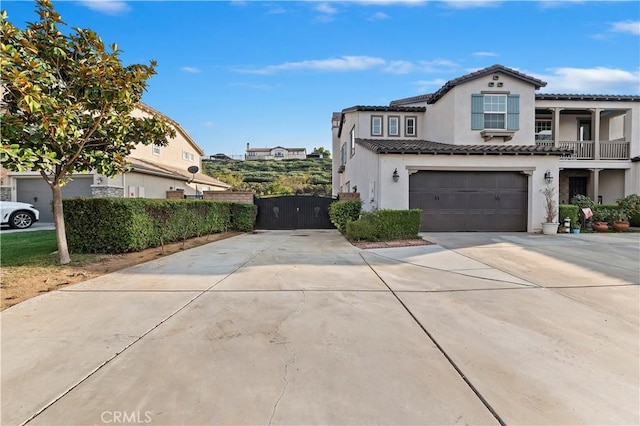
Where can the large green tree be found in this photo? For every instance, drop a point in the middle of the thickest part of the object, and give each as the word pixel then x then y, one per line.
pixel 66 104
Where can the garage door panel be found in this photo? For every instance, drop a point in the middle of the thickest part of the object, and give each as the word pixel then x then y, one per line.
pixel 470 201
pixel 36 192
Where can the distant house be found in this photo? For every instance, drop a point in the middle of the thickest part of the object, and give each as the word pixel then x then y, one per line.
pixel 475 154
pixel 315 154
pixel 276 153
pixel 153 171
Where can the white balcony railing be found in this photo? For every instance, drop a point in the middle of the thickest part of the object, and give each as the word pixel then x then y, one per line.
pixel 585 150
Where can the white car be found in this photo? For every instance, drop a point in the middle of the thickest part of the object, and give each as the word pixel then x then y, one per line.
pixel 18 215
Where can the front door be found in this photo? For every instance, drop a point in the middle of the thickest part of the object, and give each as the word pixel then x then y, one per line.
pixel 577 186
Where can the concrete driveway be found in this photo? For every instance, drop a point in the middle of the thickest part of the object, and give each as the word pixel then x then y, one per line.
pixel 302 328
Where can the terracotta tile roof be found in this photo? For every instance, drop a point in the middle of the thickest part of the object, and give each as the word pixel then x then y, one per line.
pixel 579 97
pixel 385 146
pixel 433 97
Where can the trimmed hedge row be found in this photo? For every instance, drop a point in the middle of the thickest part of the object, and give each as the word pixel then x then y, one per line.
pixel 341 212
pixel 121 225
pixel 385 225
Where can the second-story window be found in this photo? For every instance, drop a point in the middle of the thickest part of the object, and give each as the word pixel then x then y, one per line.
pixel 188 156
pixel 410 126
pixel 376 125
pixel 495 112
pixel 352 136
pixel 343 154
pixel 543 130
pixel 156 149
pixel 394 126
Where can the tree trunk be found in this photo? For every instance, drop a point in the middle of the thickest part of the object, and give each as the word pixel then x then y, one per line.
pixel 58 219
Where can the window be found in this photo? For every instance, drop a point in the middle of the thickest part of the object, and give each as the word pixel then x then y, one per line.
pixel 495 112
pixel 410 126
pixel 343 154
pixel 376 125
pixel 279 154
pixel 188 156
pixel 156 149
pixel 353 140
pixel 543 130
pixel 393 126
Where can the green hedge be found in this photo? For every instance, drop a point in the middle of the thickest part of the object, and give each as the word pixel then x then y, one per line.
pixel 570 211
pixel 121 225
pixel 384 225
pixel 341 212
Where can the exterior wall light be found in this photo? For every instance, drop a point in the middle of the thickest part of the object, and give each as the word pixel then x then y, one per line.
pixel 547 176
pixel 395 175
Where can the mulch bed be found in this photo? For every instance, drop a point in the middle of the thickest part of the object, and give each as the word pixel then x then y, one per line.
pixel 390 244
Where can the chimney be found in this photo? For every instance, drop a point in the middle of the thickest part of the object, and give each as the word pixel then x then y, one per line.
pixel 248 146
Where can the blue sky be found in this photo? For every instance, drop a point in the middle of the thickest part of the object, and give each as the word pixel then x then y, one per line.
pixel 272 72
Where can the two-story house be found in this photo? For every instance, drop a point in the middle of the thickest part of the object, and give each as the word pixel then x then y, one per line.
pixel 476 154
pixel 153 172
pixel 275 153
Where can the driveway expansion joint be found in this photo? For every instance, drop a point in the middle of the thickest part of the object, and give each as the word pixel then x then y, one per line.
pixel 440 348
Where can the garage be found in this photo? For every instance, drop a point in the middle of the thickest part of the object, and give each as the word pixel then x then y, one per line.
pixel 35 191
pixel 483 201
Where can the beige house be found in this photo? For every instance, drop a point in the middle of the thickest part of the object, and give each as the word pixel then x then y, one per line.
pixel 154 172
pixel 276 153
pixel 476 154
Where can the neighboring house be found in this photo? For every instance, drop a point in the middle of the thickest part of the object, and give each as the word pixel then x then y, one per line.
pixel 154 171
pixel 475 155
pixel 276 153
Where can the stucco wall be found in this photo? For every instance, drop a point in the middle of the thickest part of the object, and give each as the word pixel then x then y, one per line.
pixel 611 185
pixel 171 154
pixel 395 195
pixel 449 119
pixel 361 170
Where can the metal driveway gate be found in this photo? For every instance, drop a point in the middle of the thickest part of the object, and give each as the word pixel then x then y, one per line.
pixel 470 201
pixel 294 212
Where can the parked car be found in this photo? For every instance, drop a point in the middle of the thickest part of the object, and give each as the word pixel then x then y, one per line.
pixel 18 215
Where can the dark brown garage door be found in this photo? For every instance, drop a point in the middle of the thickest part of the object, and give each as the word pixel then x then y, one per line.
pixel 35 191
pixel 470 201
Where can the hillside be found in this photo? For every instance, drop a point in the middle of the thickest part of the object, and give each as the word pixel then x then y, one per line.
pixel 268 177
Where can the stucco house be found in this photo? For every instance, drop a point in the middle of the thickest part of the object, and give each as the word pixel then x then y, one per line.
pixel 154 172
pixel 275 153
pixel 476 154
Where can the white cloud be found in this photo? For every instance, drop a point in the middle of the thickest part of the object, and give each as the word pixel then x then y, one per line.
pixel 599 80
pixel 631 27
pixel 192 70
pixel 344 63
pixel 276 10
pixel 209 124
pixel 549 4
pixel 468 4
pixel 378 16
pixel 406 67
pixel 326 8
pixel 390 2
pixel 110 7
pixel 485 54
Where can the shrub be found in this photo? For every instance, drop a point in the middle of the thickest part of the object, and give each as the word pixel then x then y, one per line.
pixel 120 225
pixel 384 225
pixel 605 213
pixel 570 211
pixel 341 212
pixel 630 206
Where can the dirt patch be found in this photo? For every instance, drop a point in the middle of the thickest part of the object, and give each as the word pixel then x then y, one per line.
pixel 20 283
pixel 390 244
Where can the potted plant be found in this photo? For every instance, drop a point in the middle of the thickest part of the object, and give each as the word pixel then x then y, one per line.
pixel 550 227
pixel 600 220
pixel 620 223
pixel 575 228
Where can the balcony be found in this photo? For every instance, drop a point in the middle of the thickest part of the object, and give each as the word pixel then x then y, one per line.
pixel 585 150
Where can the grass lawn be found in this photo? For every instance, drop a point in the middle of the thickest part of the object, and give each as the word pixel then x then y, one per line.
pixel 28 248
